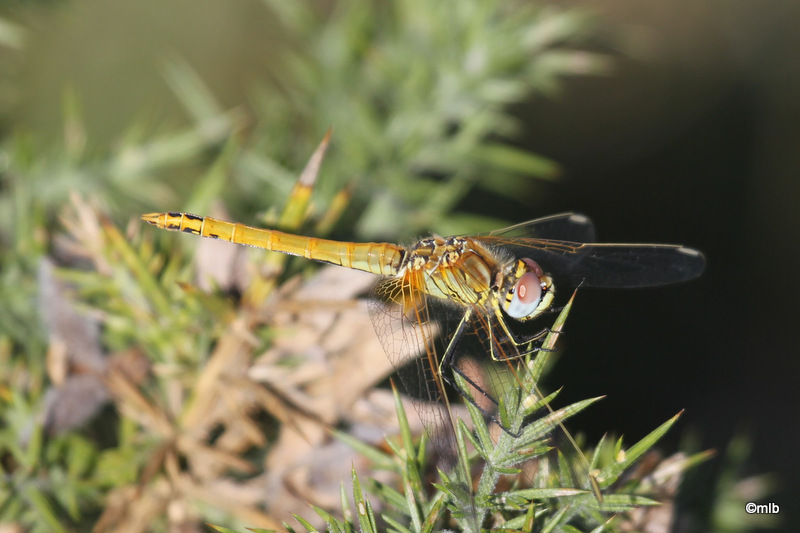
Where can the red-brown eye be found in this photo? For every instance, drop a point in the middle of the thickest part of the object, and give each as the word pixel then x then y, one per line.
pixel 526 296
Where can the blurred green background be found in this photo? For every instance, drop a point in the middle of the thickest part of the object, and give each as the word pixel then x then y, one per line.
pixel 662 121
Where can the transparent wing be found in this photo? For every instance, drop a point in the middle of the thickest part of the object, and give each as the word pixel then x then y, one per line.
pixel 607 265
pixel 423 335
pixel 564 245
pixel 573 227
pixel 409 331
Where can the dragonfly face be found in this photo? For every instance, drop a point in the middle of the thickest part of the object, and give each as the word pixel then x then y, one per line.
pixel 529 291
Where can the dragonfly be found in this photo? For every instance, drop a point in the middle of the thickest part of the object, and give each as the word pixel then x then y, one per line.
pixel 443 302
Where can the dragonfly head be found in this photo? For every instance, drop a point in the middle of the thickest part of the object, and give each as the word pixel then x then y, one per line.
pixel 530 292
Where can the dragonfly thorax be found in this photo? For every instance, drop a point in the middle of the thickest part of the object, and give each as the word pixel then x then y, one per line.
pixel 458 270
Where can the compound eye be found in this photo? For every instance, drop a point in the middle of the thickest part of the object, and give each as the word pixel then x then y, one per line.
pixel 526 296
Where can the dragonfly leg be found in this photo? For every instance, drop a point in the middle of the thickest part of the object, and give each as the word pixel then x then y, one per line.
pixel 448 365
pixel 520 345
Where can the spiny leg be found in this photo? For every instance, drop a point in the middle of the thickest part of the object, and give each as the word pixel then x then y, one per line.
pixel 448 364
pixel 517 343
